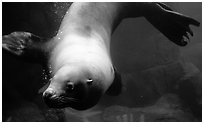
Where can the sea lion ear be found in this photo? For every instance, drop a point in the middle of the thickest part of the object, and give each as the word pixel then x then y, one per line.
pixel 26 46
pixel 116 87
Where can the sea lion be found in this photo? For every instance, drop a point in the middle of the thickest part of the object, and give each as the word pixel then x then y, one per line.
pixel 78 58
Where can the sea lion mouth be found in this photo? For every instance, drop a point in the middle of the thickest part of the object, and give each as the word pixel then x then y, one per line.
pixel 69 98
pixel 60 101
pixel 63 102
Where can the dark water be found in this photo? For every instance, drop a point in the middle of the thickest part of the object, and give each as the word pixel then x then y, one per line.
pixel 162 82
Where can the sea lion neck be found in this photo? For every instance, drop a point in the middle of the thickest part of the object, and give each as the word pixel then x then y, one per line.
pixel 90 20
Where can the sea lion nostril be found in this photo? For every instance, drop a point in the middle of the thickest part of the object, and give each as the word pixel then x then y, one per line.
pixel 70 85
pixel 48 94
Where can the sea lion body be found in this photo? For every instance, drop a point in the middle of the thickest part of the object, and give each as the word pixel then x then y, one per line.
pixel 80 60
pixel 78 57
pixel 81 53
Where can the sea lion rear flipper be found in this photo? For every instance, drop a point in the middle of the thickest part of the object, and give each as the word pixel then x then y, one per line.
pixel 116 87
pixel 26 46
pixel 173 25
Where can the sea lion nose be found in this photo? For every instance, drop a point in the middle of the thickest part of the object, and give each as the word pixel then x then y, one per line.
pixel 51 99
pixel 48 94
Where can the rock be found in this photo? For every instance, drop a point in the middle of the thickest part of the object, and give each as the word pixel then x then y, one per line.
pixel 190 89
pixel 167 108
pixel 163 78
pixel 54 115
pixel 117 113
pixel 90 115
pixel 29 112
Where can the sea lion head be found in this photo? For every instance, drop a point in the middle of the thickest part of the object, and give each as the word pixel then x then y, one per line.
pixel 74 86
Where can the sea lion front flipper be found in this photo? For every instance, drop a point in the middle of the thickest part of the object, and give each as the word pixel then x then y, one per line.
pixel 116 87
pixel 26 46
pixel 173 25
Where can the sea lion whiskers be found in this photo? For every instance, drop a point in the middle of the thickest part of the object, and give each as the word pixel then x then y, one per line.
pixel 64 99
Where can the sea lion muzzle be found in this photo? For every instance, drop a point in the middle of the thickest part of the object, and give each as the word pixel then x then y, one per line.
pixel 55 99
pixel 70 95
pixel 50 98
pixel 77 95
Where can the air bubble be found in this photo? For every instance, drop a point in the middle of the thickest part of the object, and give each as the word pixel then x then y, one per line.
pixel 50 71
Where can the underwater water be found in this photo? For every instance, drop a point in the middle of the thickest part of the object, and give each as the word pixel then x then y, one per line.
pixel 161 81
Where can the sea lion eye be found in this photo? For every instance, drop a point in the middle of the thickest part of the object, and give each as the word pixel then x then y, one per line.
pixel 89 81
pixel 70 86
